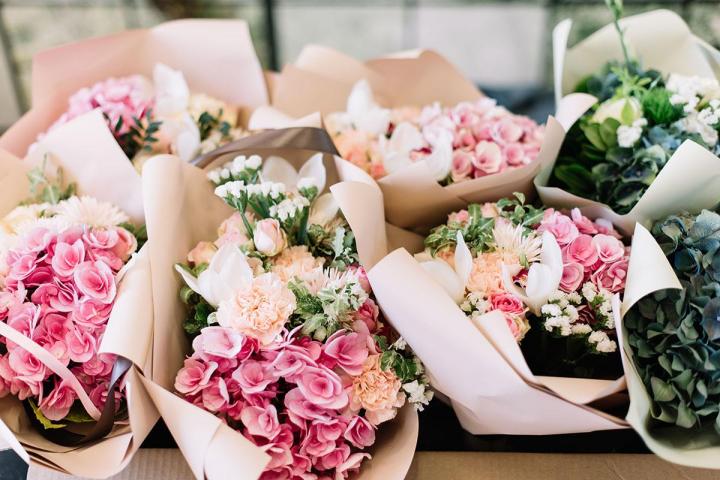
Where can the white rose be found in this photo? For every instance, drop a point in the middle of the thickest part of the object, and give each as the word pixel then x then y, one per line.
pixel 268 237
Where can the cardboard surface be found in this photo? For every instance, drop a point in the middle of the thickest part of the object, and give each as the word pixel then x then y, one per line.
pixel 159 464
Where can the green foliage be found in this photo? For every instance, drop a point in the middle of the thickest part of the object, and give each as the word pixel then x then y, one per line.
pixel 44 421
pixel 478 230
pixel 199 311
pixel 675 334
pixel 336 245
pixel 48 187
pixel 208 123
pixel 657 107
pixel 140 136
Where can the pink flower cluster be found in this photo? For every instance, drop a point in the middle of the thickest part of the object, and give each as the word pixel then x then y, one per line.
pixel 59 292
pixel 487 139
pixel 591 251
pixel 123 98
pixel 312 406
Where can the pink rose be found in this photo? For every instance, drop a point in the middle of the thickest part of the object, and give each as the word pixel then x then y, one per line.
pixel 194 376
pixel 22 318
pixel 253 376
pixel 584 224
pixel 90 314
pixel 96 281
pixel 81 345
pixel 291 362
pixel 57 325
pixel 316 444
pixel 572 276
pixel 215 396
pixel 515 155
pixel 99 366
pixel 38 239
pixel 362 277
pixel 360 432
pixel 609 249
pixel 606 227
pixel 488 158
pixel 507 302
pixel 464 138
pixel 506 131
pixel 107 257
pixel 335 458
pixel 22 265
pixel 39 276
pixel 29 373
pixel 126 245
pixel 67 257
pixel 560 226
pixel 269 238
pixel 323 387
pixel 461 165
pixel 300 408
pixel 351 464
pixel 460 216
pixel 219 341
pixel 57 405
pixel 232 230
pixel 101 238
pixel 261 422
pixel 368 313
pixel 611 276
pixel 349 350
pixel 582 250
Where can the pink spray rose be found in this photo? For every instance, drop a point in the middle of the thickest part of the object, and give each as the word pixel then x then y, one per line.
pixel 582 250
pixel 572 277
pixel 95 280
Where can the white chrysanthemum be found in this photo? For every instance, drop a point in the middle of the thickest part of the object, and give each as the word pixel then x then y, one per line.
pixel 581 329
pixel 509 238
pixel 602 342
pixel 23 218
pixel 89 211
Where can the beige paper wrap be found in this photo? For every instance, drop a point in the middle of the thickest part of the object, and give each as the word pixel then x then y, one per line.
pixel 661 40
pixel 216 57
pixel 321 79
pixel 91 158
pixel 181 210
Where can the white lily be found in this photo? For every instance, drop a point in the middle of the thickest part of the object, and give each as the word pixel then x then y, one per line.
pixel 543 277
pixel 323 210
pixel 452 280
pixel 172 103
pixel 364 113
pixel 227 273
pixel 312 173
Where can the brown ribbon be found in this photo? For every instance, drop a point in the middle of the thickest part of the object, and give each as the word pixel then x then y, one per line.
pixel 104 424
pixel 296 138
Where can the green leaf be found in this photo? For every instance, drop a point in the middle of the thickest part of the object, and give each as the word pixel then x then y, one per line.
pixel 627 115
pixel 44 421
pixel 662 392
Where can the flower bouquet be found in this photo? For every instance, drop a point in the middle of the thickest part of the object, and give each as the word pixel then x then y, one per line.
pixel 186 109
pixel 72 289
pixel 291 363
pixel 432 148
pixel 671 340
pixel 638 113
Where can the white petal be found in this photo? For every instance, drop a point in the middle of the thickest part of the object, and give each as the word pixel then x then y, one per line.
pixel 277 169
pixel 405 138
pixel 463 259
pixel 440 160
pixel 375 121
pixel 394 162
pixel 446 277
pixel 187 143
pixel 172 93
pixel 191 281
pixel 314 169
pixel 360 99
pixel 323 210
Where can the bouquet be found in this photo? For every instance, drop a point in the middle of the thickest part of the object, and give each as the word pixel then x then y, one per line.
pixel 617 148
pixel 468 140
pixel 61 259
pixel 161 116
pixel 672 338
pixel 432 148
pixel 291 364
pixel 552 275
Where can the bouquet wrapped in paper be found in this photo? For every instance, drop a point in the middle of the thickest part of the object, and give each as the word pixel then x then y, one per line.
pixel 276 358
pixel 670 326
pixel 157 89
pixel 415 124
pixel 75 314
pixel 646 99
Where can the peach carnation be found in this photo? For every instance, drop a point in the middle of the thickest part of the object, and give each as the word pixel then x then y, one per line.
pixel 486 275
pixel 260 309
pixel 377 391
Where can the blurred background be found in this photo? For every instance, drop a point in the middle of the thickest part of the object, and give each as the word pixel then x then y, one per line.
pixel 501 45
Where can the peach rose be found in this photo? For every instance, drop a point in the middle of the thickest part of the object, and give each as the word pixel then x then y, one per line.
pixel 296 262
pixel 232 230
pixel 353 146
pixel 377 391
pixel 202 253
pixel 259 310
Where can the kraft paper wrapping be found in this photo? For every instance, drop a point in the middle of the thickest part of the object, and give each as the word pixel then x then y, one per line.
pixel 226 47
pixel 650 271
pixel 181 210
pixel 661 40
pixel 321 79
pixel 478 366
pixel 91 158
